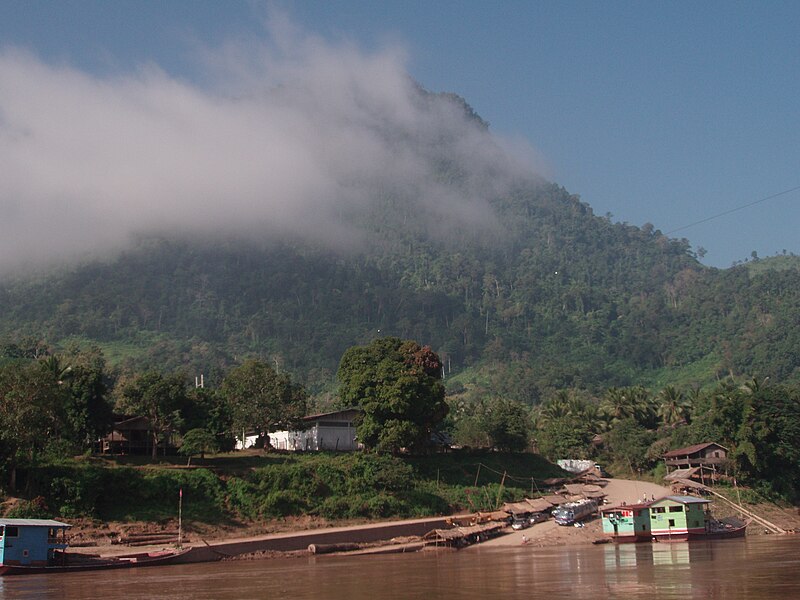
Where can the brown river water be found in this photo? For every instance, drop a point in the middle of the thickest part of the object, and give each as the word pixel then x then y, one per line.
pixel 753 568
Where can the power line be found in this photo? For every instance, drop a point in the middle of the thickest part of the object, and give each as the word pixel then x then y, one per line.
pixel 733 210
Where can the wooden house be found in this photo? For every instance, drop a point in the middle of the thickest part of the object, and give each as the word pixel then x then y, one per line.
pixel 709 455
pixel 132 435
pixel 31 542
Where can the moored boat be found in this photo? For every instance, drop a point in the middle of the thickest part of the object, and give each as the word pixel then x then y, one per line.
pixel 77 562
pixel 30 546
pixel 668 519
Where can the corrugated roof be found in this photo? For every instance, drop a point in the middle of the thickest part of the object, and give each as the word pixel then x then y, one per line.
pixel 681 474
pixel 682 500
pixel 330 414
pixel 625 507
pixel 691 449
pixel 691 484
pixel 33 523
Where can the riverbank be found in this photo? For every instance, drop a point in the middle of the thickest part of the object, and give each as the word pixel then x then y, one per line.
pixel 548 533
pixel 289 535
pixel 278 537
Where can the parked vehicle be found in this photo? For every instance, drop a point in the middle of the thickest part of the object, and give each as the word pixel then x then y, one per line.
pixel 538 517
pixel 572 512
pixel 520 523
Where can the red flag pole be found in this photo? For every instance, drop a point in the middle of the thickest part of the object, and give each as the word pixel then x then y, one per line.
pixel 180 515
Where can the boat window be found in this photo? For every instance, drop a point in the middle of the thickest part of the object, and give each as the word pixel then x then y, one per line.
pixel 658 509
pixel 672 522
pixel 675 509
pixel 2 530
pixel 12 531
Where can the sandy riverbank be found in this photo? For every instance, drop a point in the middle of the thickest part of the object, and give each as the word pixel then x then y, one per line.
pixel 295 534
pixel 549 533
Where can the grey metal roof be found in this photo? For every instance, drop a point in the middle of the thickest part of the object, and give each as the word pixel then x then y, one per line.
pixel 33 523
pixel 684 500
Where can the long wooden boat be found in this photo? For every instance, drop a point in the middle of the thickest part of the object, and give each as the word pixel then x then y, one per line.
pixel 714 533
pixel 77 562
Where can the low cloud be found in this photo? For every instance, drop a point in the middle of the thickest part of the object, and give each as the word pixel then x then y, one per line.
pixel 283 136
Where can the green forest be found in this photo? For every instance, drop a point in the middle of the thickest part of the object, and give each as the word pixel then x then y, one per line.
pixel 564 299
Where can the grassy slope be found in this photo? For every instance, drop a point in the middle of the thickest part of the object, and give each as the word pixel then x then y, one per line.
pixel 253 487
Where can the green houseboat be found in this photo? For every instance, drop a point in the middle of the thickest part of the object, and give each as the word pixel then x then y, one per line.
pixel 668 519
pixel 627 523
pixel 679 518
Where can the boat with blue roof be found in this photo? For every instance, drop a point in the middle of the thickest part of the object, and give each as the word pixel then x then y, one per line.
pixel 29 546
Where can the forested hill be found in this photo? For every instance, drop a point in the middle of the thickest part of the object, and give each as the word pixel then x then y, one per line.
pixel 538 294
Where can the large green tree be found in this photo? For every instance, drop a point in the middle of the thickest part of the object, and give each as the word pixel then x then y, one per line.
pixel 158 397
pixel 87 410
pixel 397 384
pixel 198 441
pixel 508 424
pixel 262 400
pixel 31 404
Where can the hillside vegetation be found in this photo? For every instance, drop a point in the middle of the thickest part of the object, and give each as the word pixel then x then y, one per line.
pixel 243 489
pixel 565 299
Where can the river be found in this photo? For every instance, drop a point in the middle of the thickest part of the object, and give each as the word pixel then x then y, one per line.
pixel 753 568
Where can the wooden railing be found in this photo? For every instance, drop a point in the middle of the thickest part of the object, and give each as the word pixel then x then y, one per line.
pixel 686 460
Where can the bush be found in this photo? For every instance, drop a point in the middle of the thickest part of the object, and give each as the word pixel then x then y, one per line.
pixel 282 504
pixel 30 509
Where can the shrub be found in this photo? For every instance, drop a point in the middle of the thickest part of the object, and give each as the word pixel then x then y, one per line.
pixel 30 509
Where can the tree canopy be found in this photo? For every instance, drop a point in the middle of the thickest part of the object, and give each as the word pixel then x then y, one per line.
pixel 158 397
pixel 397 384
pixel 262 400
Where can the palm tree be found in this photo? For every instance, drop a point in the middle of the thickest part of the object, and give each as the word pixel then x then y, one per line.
pixel 617 404
pixel 52 364
pixel 673 407
pixel 753 386
pixel 644 406
pixel 554 408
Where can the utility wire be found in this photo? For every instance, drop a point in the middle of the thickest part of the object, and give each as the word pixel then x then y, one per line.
pixel 733 210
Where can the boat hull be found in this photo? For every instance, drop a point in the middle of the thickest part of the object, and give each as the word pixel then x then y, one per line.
pixel 630 539
pixel 683 536
pixel 120 562
pixel 690 536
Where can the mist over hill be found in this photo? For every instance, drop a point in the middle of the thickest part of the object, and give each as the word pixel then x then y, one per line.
pixel 315 197
pixel 552 297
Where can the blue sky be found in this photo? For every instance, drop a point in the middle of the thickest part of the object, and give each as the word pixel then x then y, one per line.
pixel 660 112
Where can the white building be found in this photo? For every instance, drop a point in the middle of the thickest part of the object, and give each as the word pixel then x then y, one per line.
pixel 327 431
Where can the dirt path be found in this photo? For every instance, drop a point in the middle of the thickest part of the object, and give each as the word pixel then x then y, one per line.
pixel 549 533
